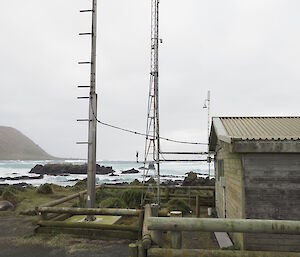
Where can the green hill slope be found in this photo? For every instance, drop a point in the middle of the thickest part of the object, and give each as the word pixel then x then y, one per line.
pixel 16 146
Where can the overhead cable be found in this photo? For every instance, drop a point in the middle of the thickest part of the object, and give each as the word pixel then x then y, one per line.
pixel 143 134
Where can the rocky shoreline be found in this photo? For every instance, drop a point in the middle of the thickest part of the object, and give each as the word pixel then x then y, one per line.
pixel 38 172
pixel 21 178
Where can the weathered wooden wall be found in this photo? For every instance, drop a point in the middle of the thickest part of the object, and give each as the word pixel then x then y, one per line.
pixel 272 191
pixel 234 193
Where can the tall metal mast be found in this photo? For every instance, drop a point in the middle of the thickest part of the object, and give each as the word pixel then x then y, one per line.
pixel 92 131
pixel 152 145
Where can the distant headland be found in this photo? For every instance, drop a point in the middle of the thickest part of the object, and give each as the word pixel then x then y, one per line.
pixel 16 146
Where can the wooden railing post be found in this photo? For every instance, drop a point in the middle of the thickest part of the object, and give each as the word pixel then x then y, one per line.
pixel 167 194
pixel 81 202
pixel 198 206
pixel 176 236
pixel 156 236
pixel 133 250
pixel 146 236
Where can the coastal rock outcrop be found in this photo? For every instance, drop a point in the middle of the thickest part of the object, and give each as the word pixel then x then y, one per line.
pixel 63 169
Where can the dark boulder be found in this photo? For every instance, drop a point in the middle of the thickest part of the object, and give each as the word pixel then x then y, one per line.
pixel 170 183
pixel 6 206
pixel 131 171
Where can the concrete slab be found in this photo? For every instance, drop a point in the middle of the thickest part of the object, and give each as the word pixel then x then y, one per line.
pixel 223 239
pixel 100 219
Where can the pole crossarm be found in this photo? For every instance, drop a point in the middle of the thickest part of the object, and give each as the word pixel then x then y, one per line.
pixel 291 227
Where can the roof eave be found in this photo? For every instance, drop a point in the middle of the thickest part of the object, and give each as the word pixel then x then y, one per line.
pixel 265 146
pixel 218 132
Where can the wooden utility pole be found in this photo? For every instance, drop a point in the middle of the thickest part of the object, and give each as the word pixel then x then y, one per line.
pixel 92 136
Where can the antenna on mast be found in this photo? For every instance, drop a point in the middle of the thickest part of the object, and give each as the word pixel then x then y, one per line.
pixel 207 106
pixel 152 144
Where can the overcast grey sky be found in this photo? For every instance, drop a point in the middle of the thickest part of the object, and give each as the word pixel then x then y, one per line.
pixel 247 52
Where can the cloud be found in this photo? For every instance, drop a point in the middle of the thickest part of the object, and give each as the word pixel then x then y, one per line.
pixel 246 52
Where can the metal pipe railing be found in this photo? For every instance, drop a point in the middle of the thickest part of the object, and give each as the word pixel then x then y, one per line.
pixel 164 252
pixel 225 225
pixel 89 211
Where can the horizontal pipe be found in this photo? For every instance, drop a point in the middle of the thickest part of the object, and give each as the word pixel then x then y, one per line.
pixel 90 211
pixel 182 160
pixel 225 225
pixel 87 225
pixel 63 200
pixel 188 153
pixel 192 195
pixel 165 252
pixel 162 187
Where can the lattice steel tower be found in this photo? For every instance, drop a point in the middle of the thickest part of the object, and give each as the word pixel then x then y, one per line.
pixel 152 145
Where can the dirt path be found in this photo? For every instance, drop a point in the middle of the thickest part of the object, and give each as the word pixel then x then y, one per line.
pixel 17 240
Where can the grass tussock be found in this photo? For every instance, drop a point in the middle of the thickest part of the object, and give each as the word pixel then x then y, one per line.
pixel 178 205
pixel 132 197
pixel 45 189
pixel 112 202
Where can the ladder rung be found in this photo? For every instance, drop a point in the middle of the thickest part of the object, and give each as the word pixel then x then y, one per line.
pixel 85 33
pixel 83 97
pixel 86 10
pixel 84 63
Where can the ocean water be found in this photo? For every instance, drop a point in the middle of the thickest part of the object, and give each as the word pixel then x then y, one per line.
pixel 169 171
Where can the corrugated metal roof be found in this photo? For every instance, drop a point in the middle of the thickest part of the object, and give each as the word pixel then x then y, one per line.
pixel 262 128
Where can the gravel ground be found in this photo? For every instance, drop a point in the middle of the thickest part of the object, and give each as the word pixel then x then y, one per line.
pixel 18 240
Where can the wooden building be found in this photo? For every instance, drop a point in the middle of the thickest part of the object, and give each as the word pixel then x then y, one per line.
pixel 257 167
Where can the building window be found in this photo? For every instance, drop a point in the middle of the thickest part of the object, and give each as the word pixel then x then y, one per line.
pixel 220 168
